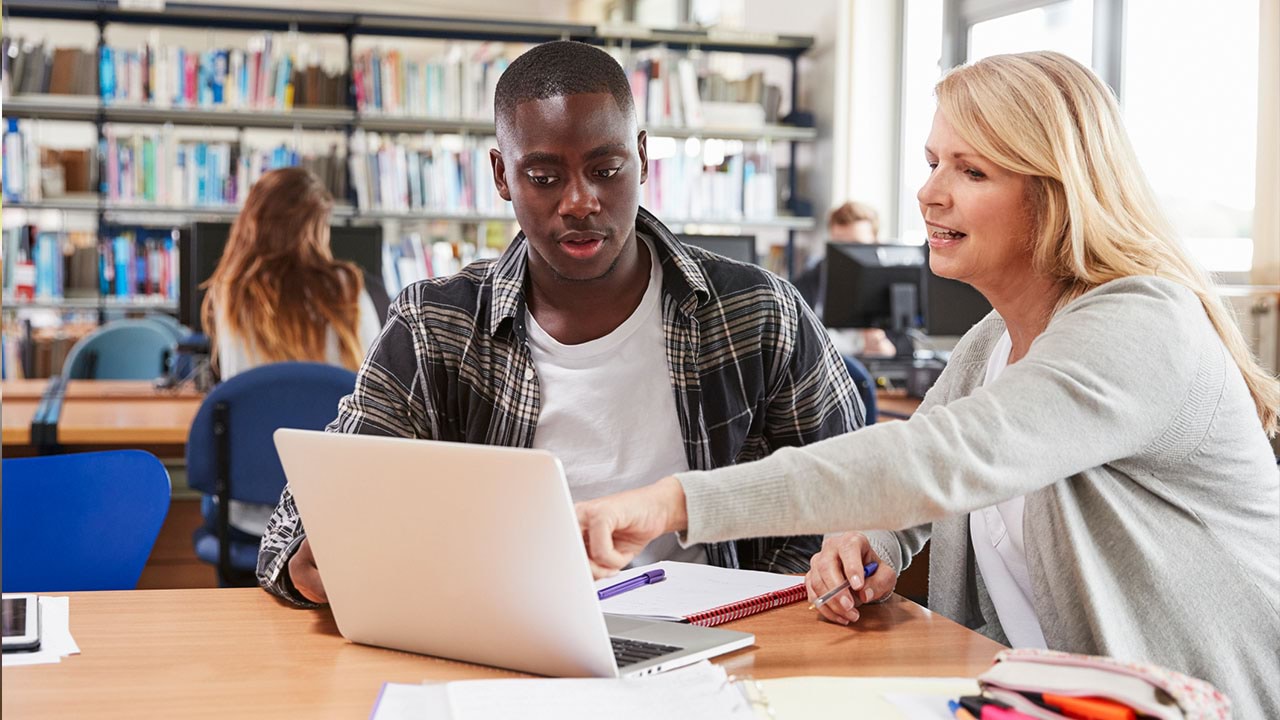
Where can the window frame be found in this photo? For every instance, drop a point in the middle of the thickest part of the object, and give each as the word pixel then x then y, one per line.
pixel 959 17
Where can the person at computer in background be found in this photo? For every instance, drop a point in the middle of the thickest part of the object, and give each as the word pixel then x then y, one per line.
pixel 597 335
pixel 852 222
pixel 1093 464
pixel 278 294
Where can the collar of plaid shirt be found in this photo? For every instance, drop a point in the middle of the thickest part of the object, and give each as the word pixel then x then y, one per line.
pixel 687 284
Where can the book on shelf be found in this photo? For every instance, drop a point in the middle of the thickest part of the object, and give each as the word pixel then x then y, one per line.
pixel 269 74
pixel 674 89
pixel 454 82
pixel 701 594
pixel 422 173
pixel 153 166
pixel 34 67
pixel 42 265
pixel 138 263
pixel 21 159
pixel 444 249
pixel 725 180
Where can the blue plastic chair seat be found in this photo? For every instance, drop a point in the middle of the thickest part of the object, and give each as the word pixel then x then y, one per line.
pixel 244 555
pixel 85 521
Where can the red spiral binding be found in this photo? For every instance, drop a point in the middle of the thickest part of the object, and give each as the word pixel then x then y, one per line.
pixel 750 606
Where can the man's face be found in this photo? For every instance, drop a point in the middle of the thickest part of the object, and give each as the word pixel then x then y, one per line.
pixel 572 168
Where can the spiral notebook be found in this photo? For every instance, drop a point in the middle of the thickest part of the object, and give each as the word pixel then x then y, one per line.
pixel 702 594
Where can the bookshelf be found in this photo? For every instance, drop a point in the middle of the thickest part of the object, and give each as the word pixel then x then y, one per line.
pixel 350 120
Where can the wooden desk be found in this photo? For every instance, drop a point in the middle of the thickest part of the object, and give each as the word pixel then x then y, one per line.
pixel 239 653
pixel 27 389
pixel 103 415
pixel 17 415
pixel 896 402
pixel 18 402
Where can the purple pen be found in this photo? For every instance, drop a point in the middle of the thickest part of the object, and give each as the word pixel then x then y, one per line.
pixel 647 578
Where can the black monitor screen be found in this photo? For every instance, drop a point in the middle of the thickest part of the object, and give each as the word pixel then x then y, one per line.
pixel 951 307
pixel 735 247
pixel 201 247
pixel 872 286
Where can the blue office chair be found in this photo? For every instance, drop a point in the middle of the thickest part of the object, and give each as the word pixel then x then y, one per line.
pixel 81 522
pixel 865 384
pixel 231 455
pixel 121 350
pixel 169 324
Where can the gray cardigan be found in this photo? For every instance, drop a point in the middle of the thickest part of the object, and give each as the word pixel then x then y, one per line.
pixel 1152 517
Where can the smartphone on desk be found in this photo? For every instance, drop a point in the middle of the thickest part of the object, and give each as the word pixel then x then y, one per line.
pixel 21 619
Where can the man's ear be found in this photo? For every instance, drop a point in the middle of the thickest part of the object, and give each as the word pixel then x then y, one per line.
pixel 642 145
pixel 499 173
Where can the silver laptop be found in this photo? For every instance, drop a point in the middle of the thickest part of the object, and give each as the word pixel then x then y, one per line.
pixel 468 552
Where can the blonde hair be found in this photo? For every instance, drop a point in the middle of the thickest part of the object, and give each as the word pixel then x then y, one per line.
pixel 277 283
pixel 1044 115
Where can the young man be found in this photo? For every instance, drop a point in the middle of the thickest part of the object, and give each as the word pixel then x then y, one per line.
pixel 597 335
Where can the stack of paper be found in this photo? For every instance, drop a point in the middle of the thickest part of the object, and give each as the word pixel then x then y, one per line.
pixel 698 691
pixel 55 635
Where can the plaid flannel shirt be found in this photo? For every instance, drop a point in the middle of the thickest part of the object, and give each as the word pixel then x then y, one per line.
pixel 752 370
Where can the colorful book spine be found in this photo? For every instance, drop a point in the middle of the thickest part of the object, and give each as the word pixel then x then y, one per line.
pixel 261 77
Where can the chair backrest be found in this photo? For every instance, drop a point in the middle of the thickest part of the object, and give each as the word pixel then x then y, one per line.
pixel 169 324
pixel 259 402
pixel 121 350
pixel 81 522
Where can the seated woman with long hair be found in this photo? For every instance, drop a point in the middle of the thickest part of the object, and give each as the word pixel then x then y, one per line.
pixel 1092 466
pixel 278 294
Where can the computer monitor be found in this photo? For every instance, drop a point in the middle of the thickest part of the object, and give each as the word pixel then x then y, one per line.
pixel 872 286
pixel 201 246
pixel 951 307
pixel 735 247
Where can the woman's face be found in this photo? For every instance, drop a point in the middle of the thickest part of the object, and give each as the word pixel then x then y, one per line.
pixel 976 214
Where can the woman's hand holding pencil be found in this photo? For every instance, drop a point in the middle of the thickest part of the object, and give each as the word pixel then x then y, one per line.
pixel 847 573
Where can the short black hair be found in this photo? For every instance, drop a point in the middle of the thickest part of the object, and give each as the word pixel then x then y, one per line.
pixel 558 69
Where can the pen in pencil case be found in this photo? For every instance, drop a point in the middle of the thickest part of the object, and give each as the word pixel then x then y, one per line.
pixel 868 570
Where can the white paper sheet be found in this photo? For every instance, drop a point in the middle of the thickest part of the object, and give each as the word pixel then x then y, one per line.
pixel 698 691
pixel 883 698
pixel 55 635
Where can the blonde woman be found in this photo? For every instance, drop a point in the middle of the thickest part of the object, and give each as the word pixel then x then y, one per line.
pixel 278 294
pixel 1093 466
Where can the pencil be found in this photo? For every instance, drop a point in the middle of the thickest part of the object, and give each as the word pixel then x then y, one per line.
pixel 867 571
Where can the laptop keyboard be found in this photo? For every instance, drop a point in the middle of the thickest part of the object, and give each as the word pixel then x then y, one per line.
pixel 630 652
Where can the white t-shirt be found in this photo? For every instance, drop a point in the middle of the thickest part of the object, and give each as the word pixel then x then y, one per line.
pixel 996 534
pixel 235 356
pixel 609 413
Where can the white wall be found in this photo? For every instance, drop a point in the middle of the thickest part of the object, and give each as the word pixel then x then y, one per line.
pixel 875 102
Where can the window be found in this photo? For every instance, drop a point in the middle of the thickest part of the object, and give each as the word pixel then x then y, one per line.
pixel 1191 107
pixel 1186 74
pixel 1066 27
pixel 922 65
